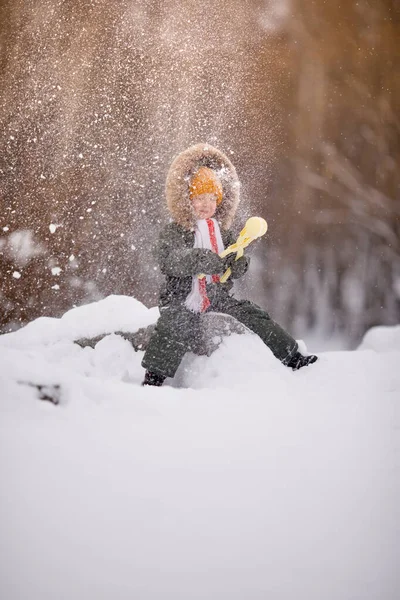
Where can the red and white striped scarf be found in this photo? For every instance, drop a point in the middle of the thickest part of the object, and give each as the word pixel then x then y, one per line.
pixel 207 235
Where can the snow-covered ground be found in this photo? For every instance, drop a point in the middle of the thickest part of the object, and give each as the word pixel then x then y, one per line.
pixel 239 480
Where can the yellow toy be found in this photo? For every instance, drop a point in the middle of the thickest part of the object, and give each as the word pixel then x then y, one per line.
pixel 254 228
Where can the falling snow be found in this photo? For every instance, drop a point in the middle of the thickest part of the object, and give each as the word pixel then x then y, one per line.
pixel 97 98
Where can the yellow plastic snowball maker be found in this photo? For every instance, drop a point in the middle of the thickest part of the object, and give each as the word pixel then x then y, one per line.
pixel 254 228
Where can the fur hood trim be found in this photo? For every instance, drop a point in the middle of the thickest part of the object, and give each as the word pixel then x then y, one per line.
pixel 183 167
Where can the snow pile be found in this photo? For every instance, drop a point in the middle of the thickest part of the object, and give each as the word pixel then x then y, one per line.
pixel 382 339
pixel 115 313
pixel 251 481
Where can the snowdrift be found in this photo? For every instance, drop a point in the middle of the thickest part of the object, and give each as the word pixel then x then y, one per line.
pixel 239 479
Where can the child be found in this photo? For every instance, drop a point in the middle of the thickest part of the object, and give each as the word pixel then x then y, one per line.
pixel 202 193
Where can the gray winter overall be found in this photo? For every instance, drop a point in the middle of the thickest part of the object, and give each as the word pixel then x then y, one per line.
pixel 177 328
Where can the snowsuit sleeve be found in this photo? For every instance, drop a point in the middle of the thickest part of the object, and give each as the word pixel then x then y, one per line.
pixel 177 257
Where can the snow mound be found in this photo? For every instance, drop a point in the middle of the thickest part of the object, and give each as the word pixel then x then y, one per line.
pixel 50 356
pixel 114 313
pixel 382 339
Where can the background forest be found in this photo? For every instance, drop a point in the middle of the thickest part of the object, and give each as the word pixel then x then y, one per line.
pixel 97 97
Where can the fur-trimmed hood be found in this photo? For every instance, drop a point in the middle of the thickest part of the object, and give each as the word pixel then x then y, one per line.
pixel 183 167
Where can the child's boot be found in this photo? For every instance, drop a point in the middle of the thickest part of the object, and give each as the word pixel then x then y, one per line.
pixel 153 379
pixel 297 361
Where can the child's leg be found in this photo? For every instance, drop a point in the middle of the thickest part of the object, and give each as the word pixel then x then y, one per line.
pixel 172 338
pixel 252 316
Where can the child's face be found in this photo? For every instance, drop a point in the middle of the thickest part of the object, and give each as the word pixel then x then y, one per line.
pixel 204 205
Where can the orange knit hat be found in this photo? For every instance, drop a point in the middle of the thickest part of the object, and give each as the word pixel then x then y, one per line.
pixel 205 181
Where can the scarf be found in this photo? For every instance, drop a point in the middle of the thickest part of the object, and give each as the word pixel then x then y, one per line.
pixel 207 235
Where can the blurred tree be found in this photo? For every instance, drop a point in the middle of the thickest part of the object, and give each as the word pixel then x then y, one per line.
pixel 342 268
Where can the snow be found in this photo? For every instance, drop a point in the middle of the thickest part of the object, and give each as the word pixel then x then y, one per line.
pixel 239 479
pixel 382 339
pixel 21 246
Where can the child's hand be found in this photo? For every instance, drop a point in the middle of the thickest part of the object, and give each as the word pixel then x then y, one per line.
pixel 238 267
pixel 209 262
